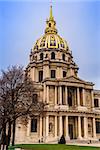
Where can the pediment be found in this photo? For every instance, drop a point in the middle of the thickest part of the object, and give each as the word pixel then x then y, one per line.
pixel 74 79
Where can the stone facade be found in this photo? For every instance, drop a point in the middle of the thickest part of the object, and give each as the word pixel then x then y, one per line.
pixel 72 107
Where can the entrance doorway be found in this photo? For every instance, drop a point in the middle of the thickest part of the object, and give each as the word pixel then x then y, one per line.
pixel 70 131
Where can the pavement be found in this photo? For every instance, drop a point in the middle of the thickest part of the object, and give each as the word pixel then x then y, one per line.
pixel 84 144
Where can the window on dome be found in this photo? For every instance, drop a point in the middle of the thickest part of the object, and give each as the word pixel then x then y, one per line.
pixel 43 44
pixel 41 56
pixel 33 125
pixel 63 57
pixel 52 55
pixel 62 45
pixel 40 76
pixel 53 73
pixel 64 73
pixel 53 43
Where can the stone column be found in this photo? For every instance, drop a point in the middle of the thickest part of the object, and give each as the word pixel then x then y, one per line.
pixel 47 94
pixel 44 93
pixel 94 128
pixel 55 126
pixel 40 127
pixel 79 127
pixel 66 95
pixel 33 73
pixel 55 95
pixel 47 126
pixel 29 127
pixel 60 126
pixel 67 130
pixel 83 93
pixel 60 102
pixel 85 127
pixel 92 98
pixel 99 102
pixel 78 97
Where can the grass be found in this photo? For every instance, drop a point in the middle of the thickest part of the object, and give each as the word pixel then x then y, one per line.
pixel 54 147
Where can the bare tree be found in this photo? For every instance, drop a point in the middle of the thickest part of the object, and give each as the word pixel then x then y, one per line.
pixel 16 92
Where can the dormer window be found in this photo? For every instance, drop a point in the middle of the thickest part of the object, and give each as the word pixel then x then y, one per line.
pixel 52 55
pixel 41 56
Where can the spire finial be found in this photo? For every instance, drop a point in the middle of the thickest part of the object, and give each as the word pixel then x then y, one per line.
pixel 51 15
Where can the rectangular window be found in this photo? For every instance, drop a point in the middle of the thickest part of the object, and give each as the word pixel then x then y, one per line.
pixel 33 125
pixel 53 73
pixel 64 73
pixel 97 127
pixel 40 76
pixel 96 103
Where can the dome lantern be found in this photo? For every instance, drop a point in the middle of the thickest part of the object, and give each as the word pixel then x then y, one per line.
pixel 51 39
pixel 51 24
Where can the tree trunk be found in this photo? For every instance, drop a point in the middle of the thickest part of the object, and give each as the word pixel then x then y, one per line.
pixel 9 134
pixel 3 138
pixel 13 133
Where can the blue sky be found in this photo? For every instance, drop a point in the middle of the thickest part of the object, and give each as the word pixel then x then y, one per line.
pixel 22 22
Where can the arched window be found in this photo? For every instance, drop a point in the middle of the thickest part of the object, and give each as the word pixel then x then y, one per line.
pixel 49 24
pixel 63 57
pixel 52 55
pixel 41 56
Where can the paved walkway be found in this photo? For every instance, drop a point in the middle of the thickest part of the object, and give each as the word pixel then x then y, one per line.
pixel 84 144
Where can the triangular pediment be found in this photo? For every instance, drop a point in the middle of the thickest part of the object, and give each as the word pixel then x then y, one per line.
pixel 74 79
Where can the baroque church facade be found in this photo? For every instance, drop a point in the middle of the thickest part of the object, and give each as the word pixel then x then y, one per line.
pixel 72 107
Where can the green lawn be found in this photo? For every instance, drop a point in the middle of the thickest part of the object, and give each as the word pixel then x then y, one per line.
pixel 54 147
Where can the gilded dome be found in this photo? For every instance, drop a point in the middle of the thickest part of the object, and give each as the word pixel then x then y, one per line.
pixel 51 39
